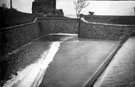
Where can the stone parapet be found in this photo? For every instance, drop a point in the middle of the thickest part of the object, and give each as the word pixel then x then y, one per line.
pixel 95 30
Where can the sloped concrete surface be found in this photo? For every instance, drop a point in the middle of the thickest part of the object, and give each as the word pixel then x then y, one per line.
pixel 22 61
pixel 57 60
pixel 121 71
pixel 76 62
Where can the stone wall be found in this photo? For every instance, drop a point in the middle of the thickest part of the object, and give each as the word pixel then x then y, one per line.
pixel 94 30
pixel 58 26
pixel 15 37
pixel 129 20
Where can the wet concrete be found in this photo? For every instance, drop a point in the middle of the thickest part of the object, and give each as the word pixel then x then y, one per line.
pixel 26 55
pixel 121 71
pixel 72 66
pixel 22 58
pixel 76 62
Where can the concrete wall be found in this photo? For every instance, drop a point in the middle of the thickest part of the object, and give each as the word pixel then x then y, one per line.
pixel 105 31
pixel 58 26
pixel 14 37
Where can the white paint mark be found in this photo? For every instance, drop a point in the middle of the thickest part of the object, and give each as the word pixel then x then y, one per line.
pixel 32 75
pixel 74 41
pixel 64 34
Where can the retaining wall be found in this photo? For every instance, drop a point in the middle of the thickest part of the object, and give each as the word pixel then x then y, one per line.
pixel 14 37
pixel 58 26
pixel 95 30
pixel 129 20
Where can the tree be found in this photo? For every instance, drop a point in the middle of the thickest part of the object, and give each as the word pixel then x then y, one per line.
pixel 79 5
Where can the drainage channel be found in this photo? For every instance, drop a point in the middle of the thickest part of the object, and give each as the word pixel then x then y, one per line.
pixel 32 75
pixel 104 65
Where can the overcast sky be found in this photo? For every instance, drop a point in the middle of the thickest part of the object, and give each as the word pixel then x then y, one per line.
pixel 21 5
pixel 100 7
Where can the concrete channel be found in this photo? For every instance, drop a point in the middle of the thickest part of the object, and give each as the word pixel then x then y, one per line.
pixel 76 62
pixel 104 65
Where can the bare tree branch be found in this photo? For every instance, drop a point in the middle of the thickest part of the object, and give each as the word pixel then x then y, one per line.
pixel 79 5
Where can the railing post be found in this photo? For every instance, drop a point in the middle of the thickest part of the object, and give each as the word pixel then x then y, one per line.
pixel 11 5
pixel 79 25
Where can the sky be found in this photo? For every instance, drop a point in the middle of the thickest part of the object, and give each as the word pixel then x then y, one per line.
pixel 99 7
pixel 21 5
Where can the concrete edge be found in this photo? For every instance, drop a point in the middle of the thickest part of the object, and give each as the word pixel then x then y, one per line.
pixel 104 65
